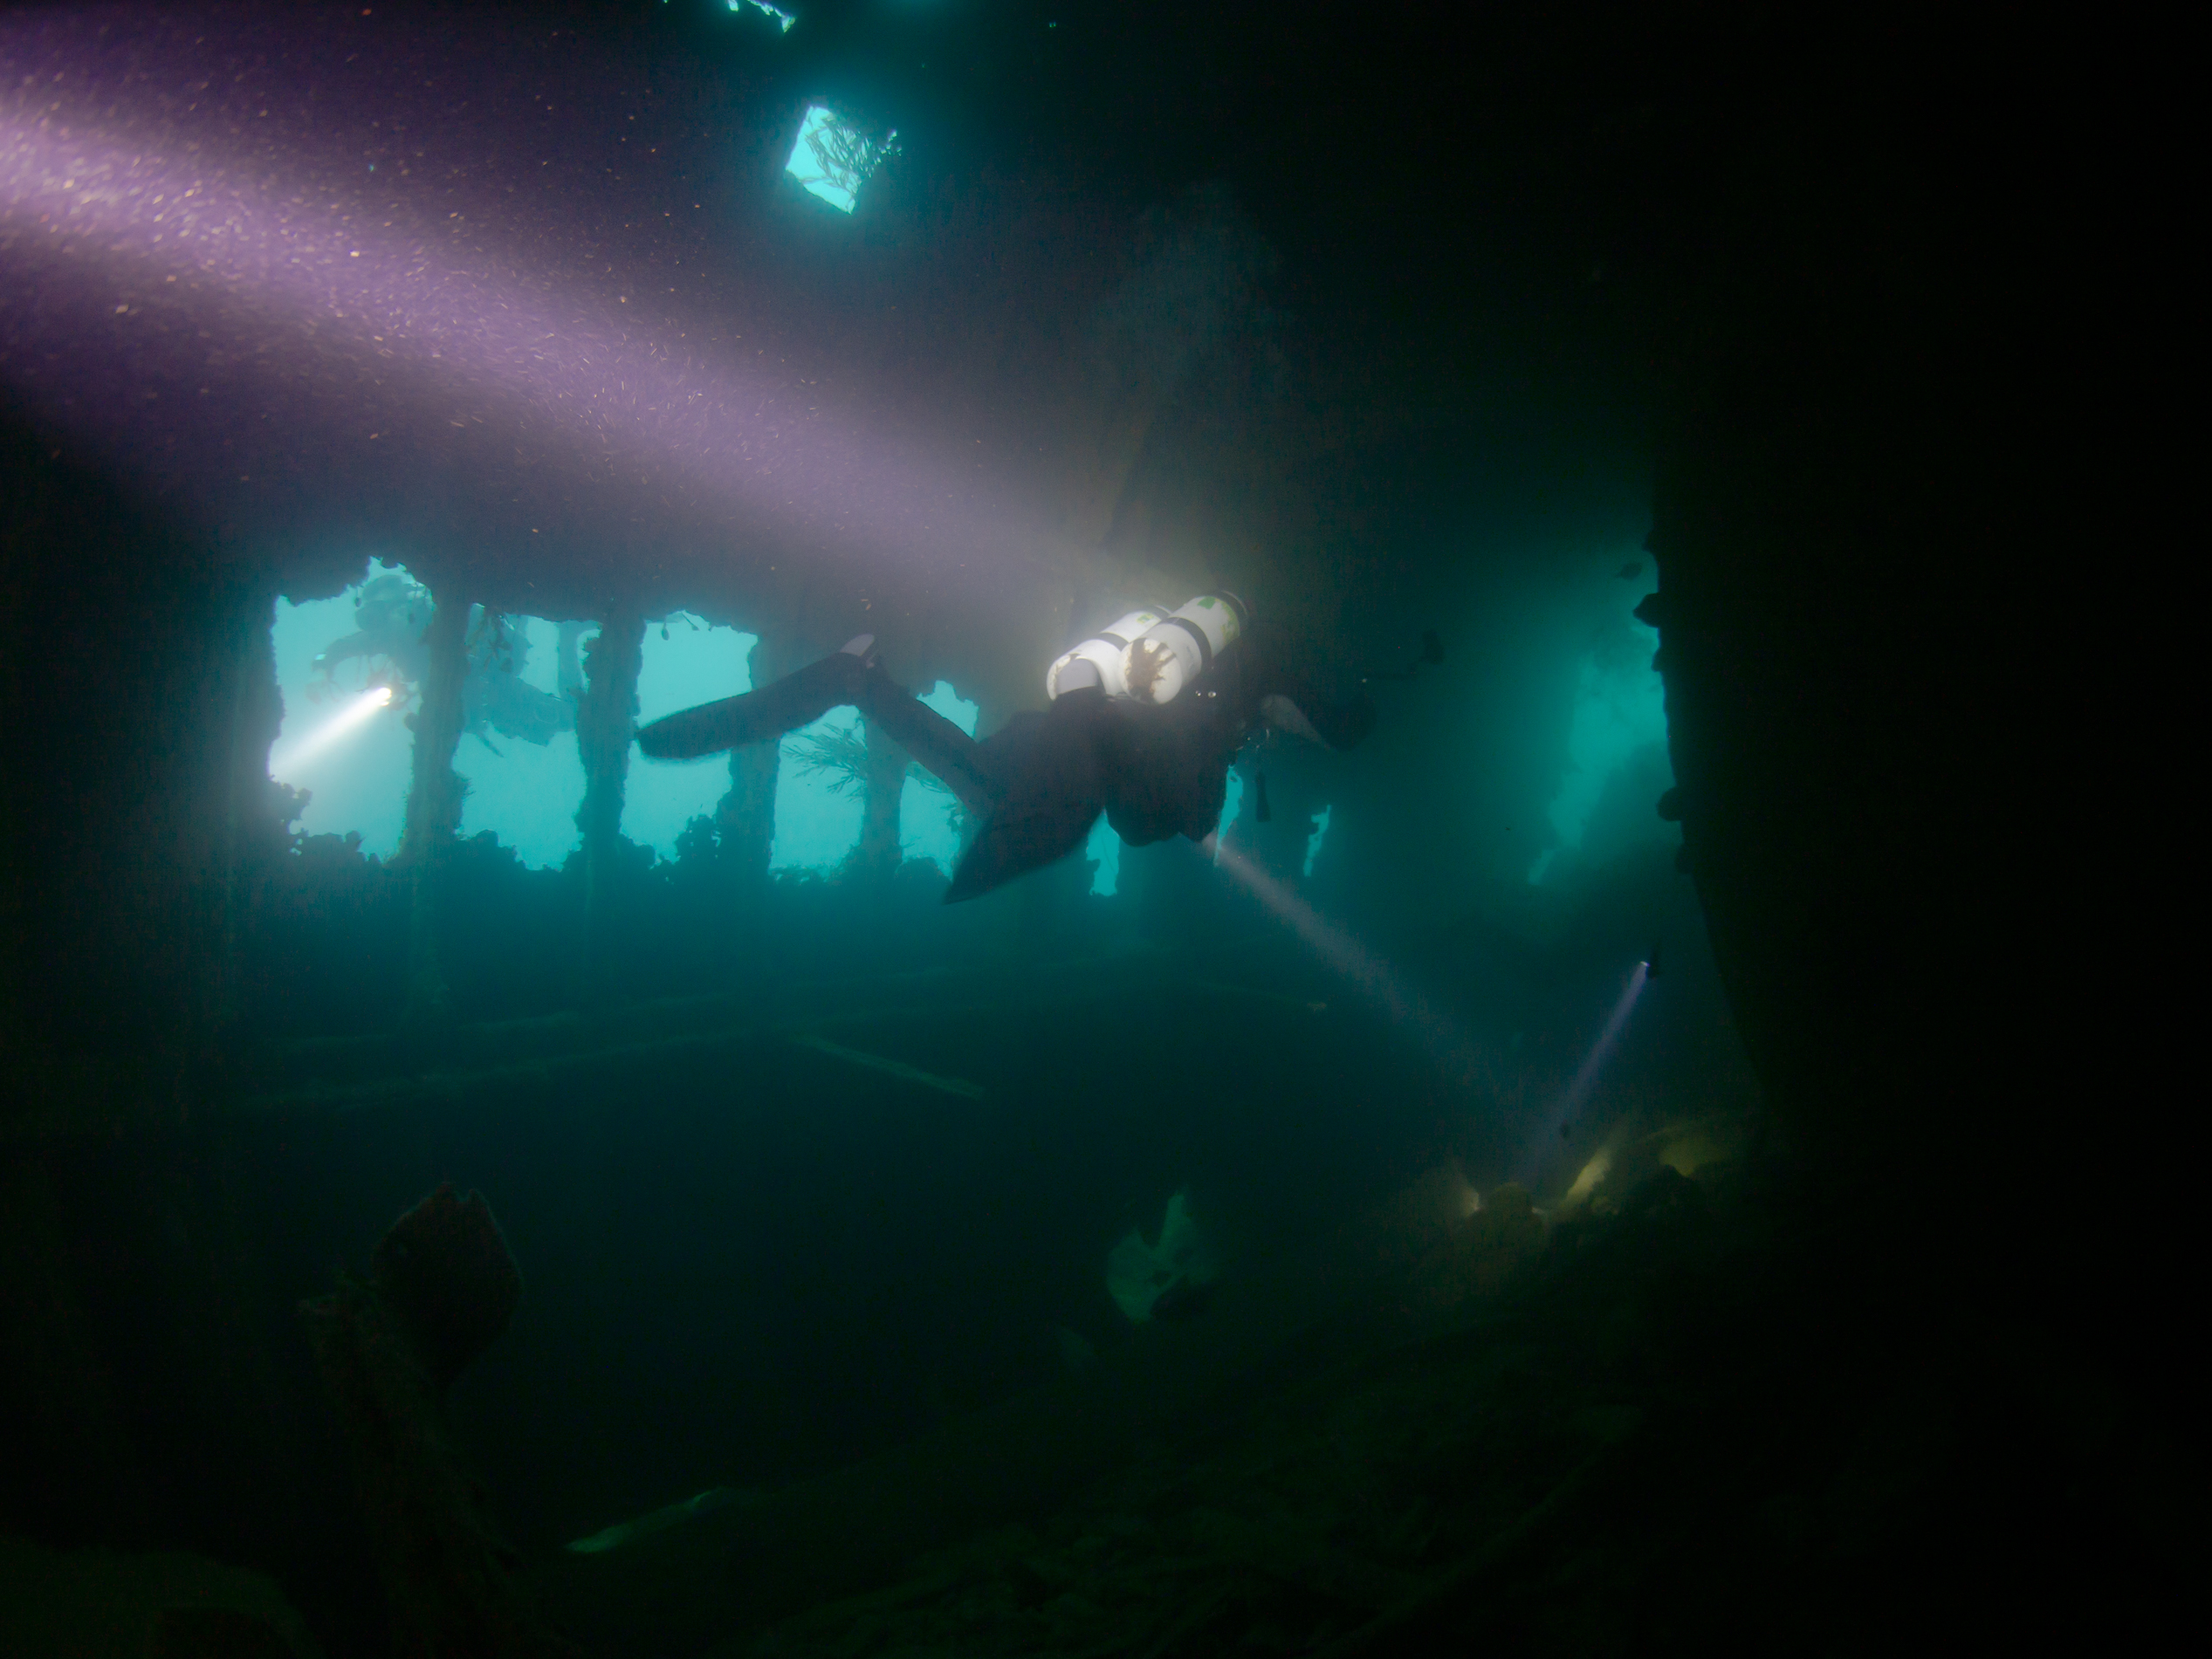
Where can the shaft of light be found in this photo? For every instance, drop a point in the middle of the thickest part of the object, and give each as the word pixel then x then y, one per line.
pixel 1447 1044
pixel 376 340
pixel 1601 1050
pixel 1585 1077
pixel 348 720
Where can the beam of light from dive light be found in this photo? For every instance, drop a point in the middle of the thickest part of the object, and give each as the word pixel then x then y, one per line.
pixel 365 329
pixel 348 720
pixel 1601 1050
pixel 1577 1091
pixel 1447 1043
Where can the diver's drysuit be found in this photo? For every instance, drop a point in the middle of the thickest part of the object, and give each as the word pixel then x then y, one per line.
pixel 1038 783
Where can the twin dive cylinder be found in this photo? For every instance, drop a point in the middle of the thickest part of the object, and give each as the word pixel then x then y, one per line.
pixel 1104 652
pixel 1152 657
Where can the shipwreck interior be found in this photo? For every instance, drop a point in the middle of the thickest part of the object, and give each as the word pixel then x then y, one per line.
pixel 401 404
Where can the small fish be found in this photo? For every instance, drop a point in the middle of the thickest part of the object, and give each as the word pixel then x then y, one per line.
pixel 1628 571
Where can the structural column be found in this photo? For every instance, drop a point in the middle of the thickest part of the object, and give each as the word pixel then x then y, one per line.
pixel 877 853
pixel 253 833
pixel 606 717
pixel 746 815
pixel 434 802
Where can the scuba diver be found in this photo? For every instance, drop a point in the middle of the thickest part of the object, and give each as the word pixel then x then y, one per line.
pixel 386 647
pixel 386 642
pixel 1144 719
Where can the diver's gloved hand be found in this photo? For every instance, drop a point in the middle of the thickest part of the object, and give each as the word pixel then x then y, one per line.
pixel 761 717
pixel 1051 789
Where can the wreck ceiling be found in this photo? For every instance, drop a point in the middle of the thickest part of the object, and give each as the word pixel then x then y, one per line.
pixel 525 297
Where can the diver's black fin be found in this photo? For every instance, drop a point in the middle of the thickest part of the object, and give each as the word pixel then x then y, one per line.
pixel 1015 842
pixel 702 730
pixel 1053 791
pixel 1261 811
pixel 757 716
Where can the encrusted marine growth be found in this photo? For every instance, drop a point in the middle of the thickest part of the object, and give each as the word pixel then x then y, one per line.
pixel 1147 660
pixel 444 1270
pixel 442 1285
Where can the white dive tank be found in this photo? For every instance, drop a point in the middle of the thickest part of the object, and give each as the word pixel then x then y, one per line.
pixel 1178 648
pixel 1104 651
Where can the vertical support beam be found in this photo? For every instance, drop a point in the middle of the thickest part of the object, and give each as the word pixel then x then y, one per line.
pixel 606 717
pixel 746 815
pixel 433 800
pixel 877 855
pixel 251 831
